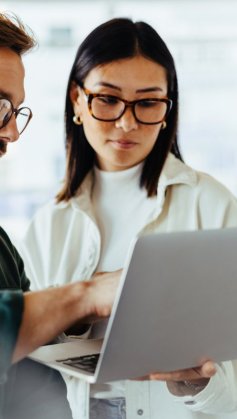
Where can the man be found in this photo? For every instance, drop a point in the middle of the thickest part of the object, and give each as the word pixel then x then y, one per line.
pixel 30 319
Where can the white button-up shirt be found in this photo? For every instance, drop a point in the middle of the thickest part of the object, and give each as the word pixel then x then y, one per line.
pixel 63 245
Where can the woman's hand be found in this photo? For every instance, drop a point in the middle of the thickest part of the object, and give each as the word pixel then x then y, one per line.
pixel 184 382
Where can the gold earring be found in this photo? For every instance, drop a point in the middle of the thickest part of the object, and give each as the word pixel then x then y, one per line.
pixel 77 120
pixel 163 125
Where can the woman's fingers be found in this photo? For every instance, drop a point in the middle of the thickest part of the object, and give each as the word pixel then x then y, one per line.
pixel 207 370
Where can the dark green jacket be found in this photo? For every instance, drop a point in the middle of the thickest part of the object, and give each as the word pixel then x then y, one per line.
pixel 12 282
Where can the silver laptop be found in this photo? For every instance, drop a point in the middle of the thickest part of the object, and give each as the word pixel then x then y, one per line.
pixel 176 306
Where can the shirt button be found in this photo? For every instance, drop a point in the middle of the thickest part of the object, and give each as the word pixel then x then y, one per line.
pixel 140 412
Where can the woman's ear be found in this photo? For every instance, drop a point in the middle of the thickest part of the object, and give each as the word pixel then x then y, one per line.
pixel 75 97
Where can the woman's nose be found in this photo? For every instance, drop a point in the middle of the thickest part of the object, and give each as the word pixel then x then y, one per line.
pixel 127 121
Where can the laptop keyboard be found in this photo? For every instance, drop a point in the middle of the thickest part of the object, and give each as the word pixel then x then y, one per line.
pixel 86 362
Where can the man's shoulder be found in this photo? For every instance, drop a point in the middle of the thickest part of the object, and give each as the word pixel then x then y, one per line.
pixel 4 238
pixel 12 273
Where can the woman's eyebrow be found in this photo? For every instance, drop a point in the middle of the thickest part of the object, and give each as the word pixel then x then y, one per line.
pixel 105 84
pixel 143 90
pixel 150 89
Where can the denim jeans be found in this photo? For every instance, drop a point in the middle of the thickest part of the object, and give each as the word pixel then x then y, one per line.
pixel 108 408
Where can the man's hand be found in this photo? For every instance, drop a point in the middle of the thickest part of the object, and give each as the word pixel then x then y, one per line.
pixel 49 312
pixel 100 294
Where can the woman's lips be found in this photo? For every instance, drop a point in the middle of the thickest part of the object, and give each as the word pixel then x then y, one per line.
pixel 123 144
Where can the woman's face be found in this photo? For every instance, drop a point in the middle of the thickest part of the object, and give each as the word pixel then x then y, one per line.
pixel 125 142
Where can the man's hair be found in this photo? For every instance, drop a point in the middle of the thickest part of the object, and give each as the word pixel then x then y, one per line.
pixel 15 35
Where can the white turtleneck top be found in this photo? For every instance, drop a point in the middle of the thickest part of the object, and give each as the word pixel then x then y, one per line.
pixel 122 209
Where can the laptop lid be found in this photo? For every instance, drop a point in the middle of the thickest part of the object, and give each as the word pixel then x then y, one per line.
pixel 176 306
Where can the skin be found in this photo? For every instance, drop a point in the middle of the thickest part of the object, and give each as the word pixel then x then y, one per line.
pixel 57 308
pixel 120 145
pixel 11 87
pixel 124 143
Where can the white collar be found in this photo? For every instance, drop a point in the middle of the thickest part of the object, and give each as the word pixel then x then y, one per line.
pixel 174 172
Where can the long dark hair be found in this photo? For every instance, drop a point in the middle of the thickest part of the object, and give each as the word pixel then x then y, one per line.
pixel 113 40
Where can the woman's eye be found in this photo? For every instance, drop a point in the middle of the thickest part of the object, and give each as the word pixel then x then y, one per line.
pixel 108 100
pixel 147 103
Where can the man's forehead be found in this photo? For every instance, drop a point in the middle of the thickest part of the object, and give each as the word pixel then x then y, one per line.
pixel 7 55
pixel 11 75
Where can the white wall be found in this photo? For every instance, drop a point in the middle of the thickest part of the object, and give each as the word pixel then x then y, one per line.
pixel 202 35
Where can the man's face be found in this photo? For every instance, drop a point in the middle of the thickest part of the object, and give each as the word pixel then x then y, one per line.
pixel 12 88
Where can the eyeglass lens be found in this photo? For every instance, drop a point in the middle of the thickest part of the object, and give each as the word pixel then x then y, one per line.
pixel 22 119
pixel 5 111
pixel 23 115
pixel 147 111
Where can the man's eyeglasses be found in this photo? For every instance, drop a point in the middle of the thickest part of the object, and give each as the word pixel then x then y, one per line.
pixel 109 108
pixel 22 115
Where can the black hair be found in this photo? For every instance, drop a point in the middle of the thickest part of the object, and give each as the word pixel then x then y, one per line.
pixel 114 40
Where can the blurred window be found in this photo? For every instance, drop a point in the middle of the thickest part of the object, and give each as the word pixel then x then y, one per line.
pixel 202 37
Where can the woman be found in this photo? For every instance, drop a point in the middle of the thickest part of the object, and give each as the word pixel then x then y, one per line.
pixel 125 176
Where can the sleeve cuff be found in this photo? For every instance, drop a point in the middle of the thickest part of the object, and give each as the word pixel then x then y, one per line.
pixel 219 396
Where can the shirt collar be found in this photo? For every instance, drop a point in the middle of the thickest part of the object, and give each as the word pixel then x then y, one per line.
pixel 174 172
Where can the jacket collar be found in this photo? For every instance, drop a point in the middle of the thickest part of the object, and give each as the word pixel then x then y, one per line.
pixel 174 172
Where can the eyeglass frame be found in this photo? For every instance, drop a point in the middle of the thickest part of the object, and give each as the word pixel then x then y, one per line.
pixel 16 112
pixel 90 96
